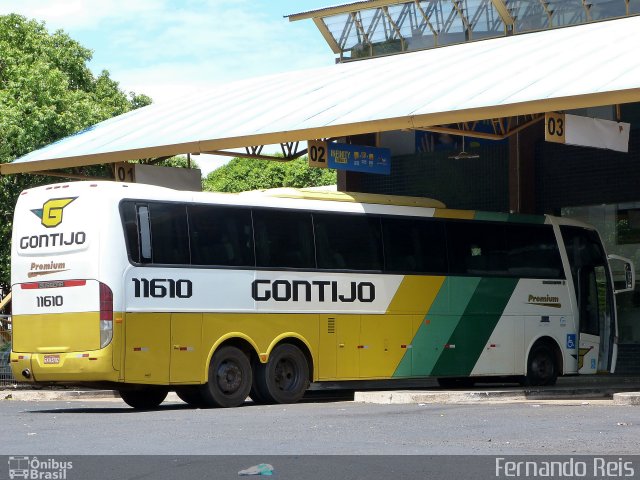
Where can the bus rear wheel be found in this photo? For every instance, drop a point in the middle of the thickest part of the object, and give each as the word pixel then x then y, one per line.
pixel 229 378
pixel 284 378
pixel 144 398
pixel 541 367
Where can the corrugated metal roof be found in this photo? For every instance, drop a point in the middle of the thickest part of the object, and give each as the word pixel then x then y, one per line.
pixel 586 65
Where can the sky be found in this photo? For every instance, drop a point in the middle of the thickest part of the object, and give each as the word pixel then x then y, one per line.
pixel 171 48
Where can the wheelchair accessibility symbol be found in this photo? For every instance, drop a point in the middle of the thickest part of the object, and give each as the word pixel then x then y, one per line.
pixel 571 341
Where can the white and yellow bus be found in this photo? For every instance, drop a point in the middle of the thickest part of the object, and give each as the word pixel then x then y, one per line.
pixel 222 296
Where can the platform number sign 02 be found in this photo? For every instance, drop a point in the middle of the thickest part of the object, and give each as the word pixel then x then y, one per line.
pixel 318 153
pixel 124 172
pixel 555 127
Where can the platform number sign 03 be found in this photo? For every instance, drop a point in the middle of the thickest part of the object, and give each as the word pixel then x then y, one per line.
pixel 555 127
pixel 124 172
pixel 317 152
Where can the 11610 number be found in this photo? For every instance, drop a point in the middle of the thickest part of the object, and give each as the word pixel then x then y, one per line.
pixel 162 288
pixel 49 301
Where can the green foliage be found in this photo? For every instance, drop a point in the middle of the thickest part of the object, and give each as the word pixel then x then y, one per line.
pixel 47 92
pixel 242 174
pixel 179 161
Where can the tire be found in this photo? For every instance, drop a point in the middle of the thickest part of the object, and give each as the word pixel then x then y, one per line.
pixel 192 396
pixel 456 382
pixel 541 367
pixel 230 379
pixel 145 398
pixel 285 378
pixel 257 395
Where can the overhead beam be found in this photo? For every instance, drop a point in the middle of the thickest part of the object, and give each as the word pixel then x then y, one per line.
pixel 482 135
pixel 504 13
pixel 328 36
pixel 352 7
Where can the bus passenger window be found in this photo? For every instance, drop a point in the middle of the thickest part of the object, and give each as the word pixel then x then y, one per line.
pixel 533 251
pixel 284 238
pixel 477 249
pixel 130 225
pixel 169 238
pixel 220 235
pixel 414 245
pixel 145 233
pixel 348 242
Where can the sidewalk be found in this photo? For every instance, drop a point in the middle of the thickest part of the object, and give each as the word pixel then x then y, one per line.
pixel 622 390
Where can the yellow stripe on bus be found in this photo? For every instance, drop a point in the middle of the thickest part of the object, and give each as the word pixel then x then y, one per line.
pixel 415 295
pixel 451 213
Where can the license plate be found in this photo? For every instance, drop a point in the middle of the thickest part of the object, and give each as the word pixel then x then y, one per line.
pixel 51 359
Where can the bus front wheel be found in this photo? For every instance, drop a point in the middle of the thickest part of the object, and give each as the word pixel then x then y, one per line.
pixel 229 378
pixel 145 398
pixel 284 378
pixel 541 367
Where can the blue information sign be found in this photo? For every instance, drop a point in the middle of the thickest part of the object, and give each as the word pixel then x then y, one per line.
pixel 358 158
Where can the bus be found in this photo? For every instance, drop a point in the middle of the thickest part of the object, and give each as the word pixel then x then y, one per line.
pixel 220 297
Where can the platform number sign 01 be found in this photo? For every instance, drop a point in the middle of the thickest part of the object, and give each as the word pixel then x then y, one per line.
pixel 318 152
pixel 124 172
pixel 555 127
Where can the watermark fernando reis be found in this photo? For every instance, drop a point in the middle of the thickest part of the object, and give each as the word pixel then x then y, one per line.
pixel 596 467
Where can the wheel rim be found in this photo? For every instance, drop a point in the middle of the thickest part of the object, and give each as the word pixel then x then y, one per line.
pixel 286 374
pixel 542 367
pixel 229 376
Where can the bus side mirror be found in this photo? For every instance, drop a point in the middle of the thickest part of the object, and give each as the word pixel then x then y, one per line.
pixel 623 272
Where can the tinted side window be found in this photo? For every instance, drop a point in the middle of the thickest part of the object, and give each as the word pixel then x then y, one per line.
pixel 283 239
pixel 220 236
pixel 583 247
pixel 348 242
pixel 169 238
pixel 477 248
pixel 533 251
pixel 414 245
pixel 130 226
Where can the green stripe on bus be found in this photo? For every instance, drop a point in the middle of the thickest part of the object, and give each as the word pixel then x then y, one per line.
pixel 442 318
pixel 492 216
pixel 474 329
pixel 524 218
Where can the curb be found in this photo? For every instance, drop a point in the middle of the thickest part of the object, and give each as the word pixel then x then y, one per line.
pixel 626 398
pixel 489 396
pixel 396 397
pixel 52 395
pixel 65 395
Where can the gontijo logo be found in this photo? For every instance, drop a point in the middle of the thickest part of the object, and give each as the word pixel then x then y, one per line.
pixel 51 212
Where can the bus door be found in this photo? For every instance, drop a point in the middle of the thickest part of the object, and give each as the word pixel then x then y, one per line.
pixel 594 295
pixel 595 320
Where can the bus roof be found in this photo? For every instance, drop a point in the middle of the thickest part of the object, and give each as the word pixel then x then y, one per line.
pixel 312 199
pixel 351 197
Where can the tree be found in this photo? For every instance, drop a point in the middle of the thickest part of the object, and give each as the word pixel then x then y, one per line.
pixel 46 92
pixel 242 174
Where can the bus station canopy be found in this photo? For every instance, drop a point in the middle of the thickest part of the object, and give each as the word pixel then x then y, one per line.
pixel 559 69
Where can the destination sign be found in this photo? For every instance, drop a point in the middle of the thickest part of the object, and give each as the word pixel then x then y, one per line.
pixel 355 158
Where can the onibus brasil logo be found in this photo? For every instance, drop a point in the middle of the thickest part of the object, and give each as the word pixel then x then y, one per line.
pixel 33 468
pixel 50 214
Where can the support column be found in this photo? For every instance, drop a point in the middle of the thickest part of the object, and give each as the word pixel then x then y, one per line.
pixel 522 162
